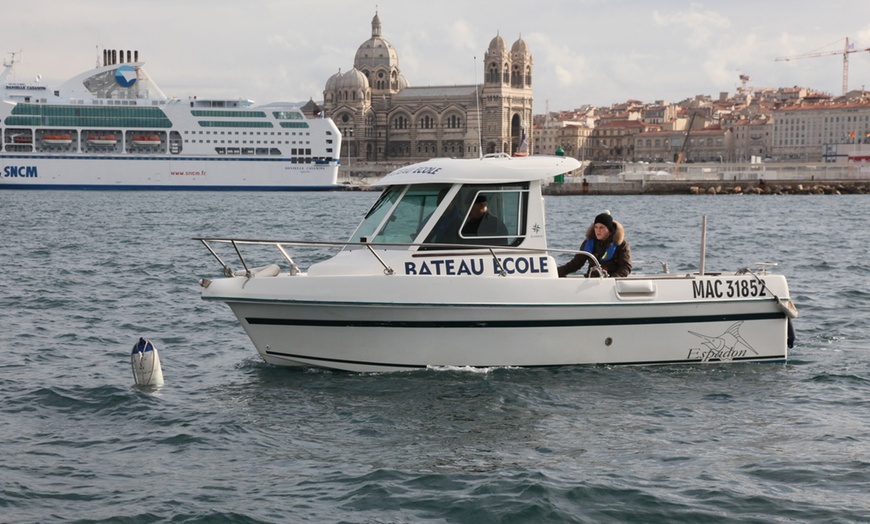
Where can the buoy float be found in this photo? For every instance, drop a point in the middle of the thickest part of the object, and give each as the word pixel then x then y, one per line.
pixel 146 364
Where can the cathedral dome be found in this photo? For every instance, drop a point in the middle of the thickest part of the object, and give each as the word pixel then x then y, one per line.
pixel 403 82
pixel 353 79
pixel 498 44
pixel 520 48
pixel 376 51
pixel 334 81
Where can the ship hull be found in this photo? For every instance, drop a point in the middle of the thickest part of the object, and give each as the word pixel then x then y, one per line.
pixel 156 173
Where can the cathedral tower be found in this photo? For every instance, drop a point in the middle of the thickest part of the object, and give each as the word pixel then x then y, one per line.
pixel 507 96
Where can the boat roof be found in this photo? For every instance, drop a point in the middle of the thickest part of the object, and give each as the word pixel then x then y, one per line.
pixel 498 169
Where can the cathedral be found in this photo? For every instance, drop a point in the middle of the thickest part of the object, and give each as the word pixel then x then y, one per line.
pixel 383 118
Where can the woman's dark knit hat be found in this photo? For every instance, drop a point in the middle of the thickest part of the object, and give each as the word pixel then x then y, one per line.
pixel 605 219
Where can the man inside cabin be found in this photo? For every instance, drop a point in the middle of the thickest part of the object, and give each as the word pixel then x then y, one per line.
pixel 446 231
pixel 481 222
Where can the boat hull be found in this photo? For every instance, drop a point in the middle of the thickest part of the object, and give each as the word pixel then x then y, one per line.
pixel 563 322
pixel 105 172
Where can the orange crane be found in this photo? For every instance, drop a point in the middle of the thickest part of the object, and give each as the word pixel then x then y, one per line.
pixel 849 48
pixel 684 149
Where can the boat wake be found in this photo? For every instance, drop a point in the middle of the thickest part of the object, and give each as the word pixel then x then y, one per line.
pixel 469 369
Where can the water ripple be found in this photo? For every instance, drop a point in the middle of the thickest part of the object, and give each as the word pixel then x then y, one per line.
pixel 229 438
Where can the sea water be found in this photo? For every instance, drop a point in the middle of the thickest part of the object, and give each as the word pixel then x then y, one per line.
pixel 229 438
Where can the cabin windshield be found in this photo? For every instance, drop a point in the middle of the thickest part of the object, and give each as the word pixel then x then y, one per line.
pixel 490 215
pixel 400 213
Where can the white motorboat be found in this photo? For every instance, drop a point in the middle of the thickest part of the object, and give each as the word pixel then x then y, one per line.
pixel 402 294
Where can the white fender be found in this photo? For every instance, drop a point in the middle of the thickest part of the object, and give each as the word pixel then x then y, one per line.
pixel 146 364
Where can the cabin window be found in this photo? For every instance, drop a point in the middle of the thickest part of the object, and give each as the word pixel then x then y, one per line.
pixel 400 214
pixel 411 213
pixel 506 225
pixel 377 214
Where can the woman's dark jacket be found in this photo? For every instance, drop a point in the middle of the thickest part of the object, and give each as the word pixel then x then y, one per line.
pixel 619 265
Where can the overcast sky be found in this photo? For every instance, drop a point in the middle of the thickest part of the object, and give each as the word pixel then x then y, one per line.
pixel 585 51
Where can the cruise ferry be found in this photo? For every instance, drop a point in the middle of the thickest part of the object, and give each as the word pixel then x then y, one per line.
pixel 112 128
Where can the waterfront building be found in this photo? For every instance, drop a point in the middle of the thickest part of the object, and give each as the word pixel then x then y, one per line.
pixel 752 137
pixel 709 144
pixel 615 140
pixel 807 133
pixel 655 146
pixel 568 132
pixel 383 118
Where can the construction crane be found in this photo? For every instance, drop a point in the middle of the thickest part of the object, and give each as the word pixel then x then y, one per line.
pixel 849 48
pixel 684 148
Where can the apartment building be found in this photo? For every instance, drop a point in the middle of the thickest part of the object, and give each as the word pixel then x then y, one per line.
pixel 804 132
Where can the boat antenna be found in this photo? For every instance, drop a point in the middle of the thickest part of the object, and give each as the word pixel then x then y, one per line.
pixel 702 268
pixel 477 97
pixel 10 63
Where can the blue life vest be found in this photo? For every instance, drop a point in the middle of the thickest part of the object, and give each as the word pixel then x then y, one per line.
pixel 589 245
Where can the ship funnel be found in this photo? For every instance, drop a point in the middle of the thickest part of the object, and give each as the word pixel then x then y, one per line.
pixel 112 56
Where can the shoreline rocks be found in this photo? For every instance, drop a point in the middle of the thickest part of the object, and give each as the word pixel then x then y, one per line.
pixel 807 187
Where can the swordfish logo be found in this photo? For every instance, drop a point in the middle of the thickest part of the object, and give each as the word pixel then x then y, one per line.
pixel 727 346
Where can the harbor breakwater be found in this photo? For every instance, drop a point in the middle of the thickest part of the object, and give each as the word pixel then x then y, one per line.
pixel 672 179
pixel 715 179
pixel 713 187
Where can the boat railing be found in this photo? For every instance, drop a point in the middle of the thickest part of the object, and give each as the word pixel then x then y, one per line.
pixel 663 265
pixel 455 249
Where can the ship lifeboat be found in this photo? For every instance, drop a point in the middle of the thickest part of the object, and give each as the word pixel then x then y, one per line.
pixel 22 139
pixel 102 140
pixel 57 140
pixel 146 140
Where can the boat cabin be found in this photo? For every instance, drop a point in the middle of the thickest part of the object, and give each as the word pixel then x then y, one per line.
pixel 450 203
pixel 456 206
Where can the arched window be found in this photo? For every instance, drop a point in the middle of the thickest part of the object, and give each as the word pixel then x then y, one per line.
pixel 492 78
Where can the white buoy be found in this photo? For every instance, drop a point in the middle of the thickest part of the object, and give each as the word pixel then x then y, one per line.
pixel 146 364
